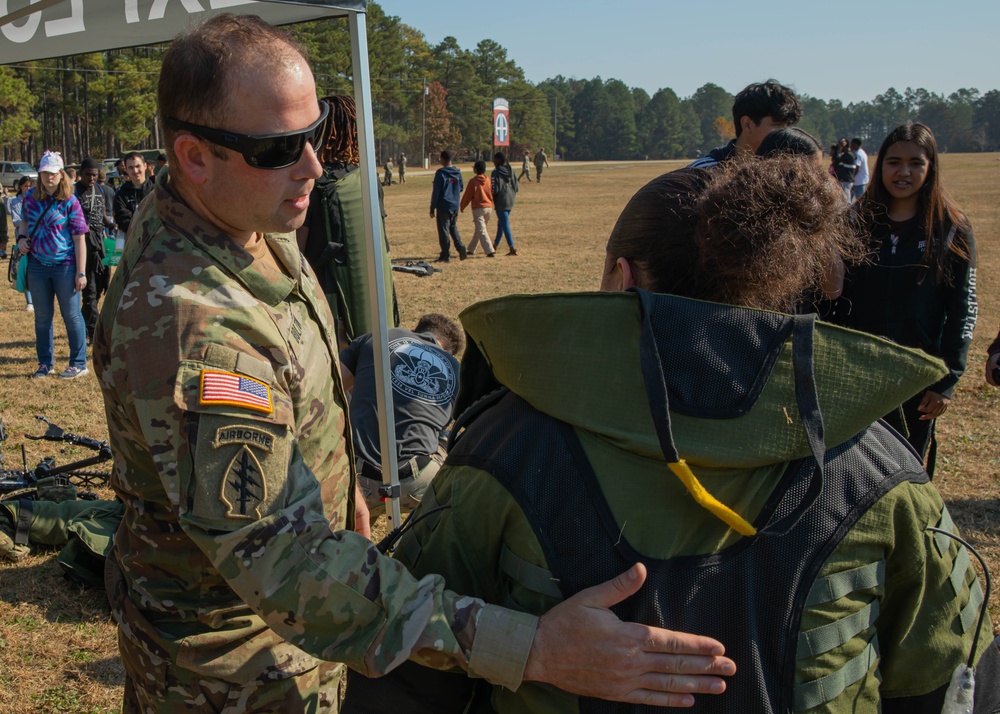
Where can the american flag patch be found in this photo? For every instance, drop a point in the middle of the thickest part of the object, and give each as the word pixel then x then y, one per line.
pixel 235 390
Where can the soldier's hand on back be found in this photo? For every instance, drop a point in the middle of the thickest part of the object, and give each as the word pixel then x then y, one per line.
pixel 582 647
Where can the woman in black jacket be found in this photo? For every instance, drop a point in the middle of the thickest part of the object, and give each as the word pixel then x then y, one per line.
pixel 504 187
pixel 919 289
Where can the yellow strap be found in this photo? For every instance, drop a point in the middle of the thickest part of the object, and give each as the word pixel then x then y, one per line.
pixel 707 501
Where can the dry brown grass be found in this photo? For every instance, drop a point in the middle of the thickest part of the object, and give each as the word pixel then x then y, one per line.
pixel 57 646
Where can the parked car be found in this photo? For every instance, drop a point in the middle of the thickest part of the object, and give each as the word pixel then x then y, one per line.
pixel 110 170
pixel 11 171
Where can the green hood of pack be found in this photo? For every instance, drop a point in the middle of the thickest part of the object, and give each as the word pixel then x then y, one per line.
pixel 576 357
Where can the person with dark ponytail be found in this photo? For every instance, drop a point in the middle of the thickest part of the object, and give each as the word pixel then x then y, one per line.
pixel 919 288
pixel 681 417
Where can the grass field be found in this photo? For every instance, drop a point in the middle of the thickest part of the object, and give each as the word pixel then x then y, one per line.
pixel 57 645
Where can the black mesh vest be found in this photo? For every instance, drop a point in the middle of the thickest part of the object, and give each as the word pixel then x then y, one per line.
pixel 750 596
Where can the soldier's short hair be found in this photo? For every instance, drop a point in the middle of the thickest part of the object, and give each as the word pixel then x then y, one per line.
pixel 134 155
pixel 196 76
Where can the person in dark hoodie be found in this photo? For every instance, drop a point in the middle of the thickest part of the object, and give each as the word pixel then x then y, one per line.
pixel 692 439
pixel 132 191
pixel 94 202
pixel 503 183
pixel 445 201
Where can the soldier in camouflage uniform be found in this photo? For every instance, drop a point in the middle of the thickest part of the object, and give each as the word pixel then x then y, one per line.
pixel 235 582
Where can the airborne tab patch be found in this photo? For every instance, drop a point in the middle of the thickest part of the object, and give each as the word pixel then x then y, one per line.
pixel 237 390
pixel 243 486
pixel 243 435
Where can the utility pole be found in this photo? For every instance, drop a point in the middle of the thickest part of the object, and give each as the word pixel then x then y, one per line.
pixel 423 123
pixel 555 119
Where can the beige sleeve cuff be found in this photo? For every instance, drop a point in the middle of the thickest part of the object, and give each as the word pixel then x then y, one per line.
pixel 501 646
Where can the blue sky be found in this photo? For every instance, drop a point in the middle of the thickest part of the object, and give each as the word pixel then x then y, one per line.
pixel 683 44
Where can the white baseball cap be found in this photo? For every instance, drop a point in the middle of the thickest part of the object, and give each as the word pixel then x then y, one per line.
pixel 51 162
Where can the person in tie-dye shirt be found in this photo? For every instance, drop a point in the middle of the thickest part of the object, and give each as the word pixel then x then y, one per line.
pixel 51 234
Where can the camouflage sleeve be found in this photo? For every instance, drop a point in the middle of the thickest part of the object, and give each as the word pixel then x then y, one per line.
pixel 245 497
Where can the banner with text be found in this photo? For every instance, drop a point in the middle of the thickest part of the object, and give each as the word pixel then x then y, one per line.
pixel 38 29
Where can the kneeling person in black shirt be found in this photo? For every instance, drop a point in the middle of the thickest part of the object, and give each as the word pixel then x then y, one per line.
pixel 424 376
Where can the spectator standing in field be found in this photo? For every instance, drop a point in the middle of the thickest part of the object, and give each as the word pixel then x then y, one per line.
pixel 846 166
pixel 479 194
pixel 504 186
pixel 4 229
pixel 446 197
pixel 94 203
pixel 526 166
pixel 14 207
pixel 861 175
pixel 109 200
pixel 161 165
pixel 919 289
pixel 541 162
pixel 402 168
pixel 120 168
pixel 424 387
pixel 135 188
pixel 52 234
pixel 333 238
pixel 387 179
pixel 758 110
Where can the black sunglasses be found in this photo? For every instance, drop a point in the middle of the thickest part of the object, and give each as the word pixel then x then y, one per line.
pixel 264 151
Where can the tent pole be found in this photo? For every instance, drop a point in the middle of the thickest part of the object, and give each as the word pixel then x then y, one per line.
pixel 376 276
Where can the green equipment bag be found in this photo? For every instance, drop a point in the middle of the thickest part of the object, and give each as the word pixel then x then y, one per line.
pixel 338 252
pixel 83 530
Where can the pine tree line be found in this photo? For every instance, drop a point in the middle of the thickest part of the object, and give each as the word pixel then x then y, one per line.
pixel 430 97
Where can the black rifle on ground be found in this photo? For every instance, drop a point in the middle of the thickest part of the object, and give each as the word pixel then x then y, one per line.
pixel 24 482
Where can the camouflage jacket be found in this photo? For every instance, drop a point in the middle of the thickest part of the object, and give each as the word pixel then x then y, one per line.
pixel 233 458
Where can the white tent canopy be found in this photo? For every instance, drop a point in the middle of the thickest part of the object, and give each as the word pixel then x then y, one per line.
pixel 39 29
pixel 55 28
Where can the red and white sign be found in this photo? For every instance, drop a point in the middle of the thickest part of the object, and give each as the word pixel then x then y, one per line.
pixel 501 122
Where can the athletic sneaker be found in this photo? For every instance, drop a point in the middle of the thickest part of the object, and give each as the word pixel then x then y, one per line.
pixel 44 370
pixel 513 251
pixel 74 372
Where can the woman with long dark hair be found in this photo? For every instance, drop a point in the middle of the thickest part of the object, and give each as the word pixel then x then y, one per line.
pixel 51 234
pixel 919 288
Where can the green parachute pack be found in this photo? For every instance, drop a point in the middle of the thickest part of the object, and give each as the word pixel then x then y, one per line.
pixel 338 251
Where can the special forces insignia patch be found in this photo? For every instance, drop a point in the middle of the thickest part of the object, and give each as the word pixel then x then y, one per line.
pixel 243 486
pixel 240 469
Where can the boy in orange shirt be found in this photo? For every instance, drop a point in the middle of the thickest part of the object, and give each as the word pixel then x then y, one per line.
pixel 480 195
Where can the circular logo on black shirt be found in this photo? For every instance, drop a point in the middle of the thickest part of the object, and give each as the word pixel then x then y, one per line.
pixel 421 372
